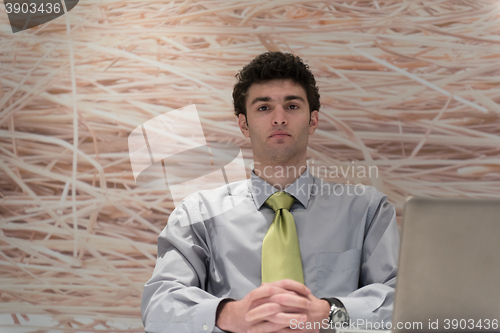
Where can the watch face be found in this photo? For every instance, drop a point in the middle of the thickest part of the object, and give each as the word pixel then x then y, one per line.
pixel 339 316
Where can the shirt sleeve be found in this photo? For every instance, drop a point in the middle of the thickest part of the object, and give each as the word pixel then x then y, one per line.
pixel 174 299
pixel 373 301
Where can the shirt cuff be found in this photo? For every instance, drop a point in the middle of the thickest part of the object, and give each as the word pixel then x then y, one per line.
pixel 360 309
pixel 204 316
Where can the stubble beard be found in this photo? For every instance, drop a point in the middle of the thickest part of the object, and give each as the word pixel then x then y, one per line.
pixel 276 153
pixel 280 155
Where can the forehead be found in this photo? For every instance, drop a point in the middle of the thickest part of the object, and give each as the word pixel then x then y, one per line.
pixel 275 89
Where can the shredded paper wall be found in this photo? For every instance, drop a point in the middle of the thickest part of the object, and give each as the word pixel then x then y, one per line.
pixel 409 93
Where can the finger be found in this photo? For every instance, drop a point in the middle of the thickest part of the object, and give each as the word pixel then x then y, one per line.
pixel 264 300
pixel 264 291
pixel 288 309
pixel 291 300
pixel 263 311
pixel 292 286
pixel 259 302
pixel 287 318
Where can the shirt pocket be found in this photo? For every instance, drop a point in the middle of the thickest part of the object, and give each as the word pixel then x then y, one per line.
pixel 337 273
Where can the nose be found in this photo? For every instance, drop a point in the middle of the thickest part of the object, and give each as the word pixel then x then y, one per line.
pixel 279 116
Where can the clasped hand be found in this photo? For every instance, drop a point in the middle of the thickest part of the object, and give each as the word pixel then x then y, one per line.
pixel 273 307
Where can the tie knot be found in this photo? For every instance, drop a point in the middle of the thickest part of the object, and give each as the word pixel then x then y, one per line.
pixel 280 200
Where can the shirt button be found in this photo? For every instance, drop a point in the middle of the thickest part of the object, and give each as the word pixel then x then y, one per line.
pixel 205 327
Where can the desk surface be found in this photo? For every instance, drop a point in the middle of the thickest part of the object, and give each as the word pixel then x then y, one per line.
pixel 330 330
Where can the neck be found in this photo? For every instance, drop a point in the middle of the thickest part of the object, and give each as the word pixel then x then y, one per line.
pixel 280 175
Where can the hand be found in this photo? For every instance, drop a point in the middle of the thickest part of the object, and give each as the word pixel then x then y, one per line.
pixel 258 313
pixel 316 312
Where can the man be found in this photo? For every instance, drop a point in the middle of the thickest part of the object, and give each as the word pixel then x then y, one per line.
pixel 327 253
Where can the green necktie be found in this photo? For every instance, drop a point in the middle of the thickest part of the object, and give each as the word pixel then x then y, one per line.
pixel 280 248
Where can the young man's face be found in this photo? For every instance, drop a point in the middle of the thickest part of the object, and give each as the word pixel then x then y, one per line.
pixel 279 122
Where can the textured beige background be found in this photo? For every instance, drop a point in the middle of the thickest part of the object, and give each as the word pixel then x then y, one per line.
pixel 411 87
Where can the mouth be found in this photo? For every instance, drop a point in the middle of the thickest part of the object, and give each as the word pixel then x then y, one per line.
pixel 279 134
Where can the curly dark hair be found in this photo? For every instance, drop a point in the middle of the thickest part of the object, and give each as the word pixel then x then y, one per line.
pixel 271 66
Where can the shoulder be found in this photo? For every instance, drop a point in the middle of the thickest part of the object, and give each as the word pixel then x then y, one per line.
pixel 218 194
pixel 203 205
pixel 350 192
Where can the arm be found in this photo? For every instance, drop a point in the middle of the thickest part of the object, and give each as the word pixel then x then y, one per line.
pixel 174 299
pixel 373 301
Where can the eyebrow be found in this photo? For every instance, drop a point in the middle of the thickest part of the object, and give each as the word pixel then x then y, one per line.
pixel 267 99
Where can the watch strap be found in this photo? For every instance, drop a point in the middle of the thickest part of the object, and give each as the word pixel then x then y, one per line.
pixel 335 301
pixel 338 304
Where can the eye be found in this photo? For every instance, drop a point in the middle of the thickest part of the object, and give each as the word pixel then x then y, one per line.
pixel 263 108
pixel 293 106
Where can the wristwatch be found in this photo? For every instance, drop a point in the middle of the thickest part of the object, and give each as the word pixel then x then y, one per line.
pixel 338 313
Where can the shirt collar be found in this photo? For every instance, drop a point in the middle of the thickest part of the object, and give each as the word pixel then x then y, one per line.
pixel 300 189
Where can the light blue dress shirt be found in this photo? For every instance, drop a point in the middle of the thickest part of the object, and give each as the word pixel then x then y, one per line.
pixel 211 250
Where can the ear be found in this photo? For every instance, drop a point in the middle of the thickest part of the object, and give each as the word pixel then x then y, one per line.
pixel 313 122
pixel 242 122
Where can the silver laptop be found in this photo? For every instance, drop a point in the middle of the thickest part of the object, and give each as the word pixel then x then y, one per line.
pixel 449 267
